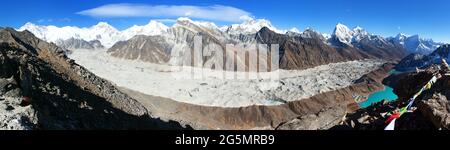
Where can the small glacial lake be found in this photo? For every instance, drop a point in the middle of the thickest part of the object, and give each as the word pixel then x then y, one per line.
pixel 387 93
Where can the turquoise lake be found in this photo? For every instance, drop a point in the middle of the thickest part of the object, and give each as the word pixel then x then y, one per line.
pixel 387 93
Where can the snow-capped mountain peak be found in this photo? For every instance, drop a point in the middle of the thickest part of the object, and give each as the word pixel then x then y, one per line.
pixel 103 25
pixel 359 31
pixel 311 33
pixel 401 36
pixel 183 21
pixel 152 28
pixel 359 34
pixel 415 43
pixel 343 34
pixel 250 26
pixel 348 36
pixel 102 31
pixel 108 35
pixel 36 30
pixel 295 30
pixel 28 25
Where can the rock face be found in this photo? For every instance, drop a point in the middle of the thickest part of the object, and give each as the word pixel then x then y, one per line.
pixel 73 44
pixel 150 49
pixel 432 105
pixel 374 117
pixel 436 108
pixel 12 115
pixel 305 51
pixel 413 61
pixel 325 119
pixel 63 94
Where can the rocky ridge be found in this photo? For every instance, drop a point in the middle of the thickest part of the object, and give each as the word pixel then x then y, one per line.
pixel 413 61
pixel 74 44
pixel 63 94
pixel 431 107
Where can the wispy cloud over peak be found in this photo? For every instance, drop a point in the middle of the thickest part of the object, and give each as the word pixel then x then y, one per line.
pixel 214 12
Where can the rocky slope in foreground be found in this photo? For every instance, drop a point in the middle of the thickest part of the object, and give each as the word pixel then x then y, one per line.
pixel 433 105
pixel 63 94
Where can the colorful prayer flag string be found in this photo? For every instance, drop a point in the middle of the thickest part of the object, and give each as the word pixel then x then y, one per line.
pixel 397 114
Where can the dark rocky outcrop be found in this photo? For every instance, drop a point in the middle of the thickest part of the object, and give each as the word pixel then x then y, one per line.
pixel 374 117
pixel 152 49
pixel 74 44
pixel 420 61
pixel 63 94
pixel 432 106
pixel 324 119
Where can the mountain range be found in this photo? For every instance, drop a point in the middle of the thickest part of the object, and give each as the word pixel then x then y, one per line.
pixel 415 43
pixel 108 35
pixel 414 61
pixel 298 50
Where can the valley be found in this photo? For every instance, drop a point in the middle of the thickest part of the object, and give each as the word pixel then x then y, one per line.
pixel 212 90
pixel 217 103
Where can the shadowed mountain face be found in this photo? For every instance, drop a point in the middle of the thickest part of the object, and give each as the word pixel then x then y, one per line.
pixel 149 49
pixel 64 95
pixel 382 49
pixel 74 44
pixel 299 52
pixel 412 61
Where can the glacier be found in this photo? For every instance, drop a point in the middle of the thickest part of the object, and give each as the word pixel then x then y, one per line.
pixel 213 90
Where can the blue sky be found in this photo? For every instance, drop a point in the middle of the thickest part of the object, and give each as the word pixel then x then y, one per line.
pixel 428 18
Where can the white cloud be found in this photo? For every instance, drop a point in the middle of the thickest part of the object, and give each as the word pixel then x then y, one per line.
pixel 214 12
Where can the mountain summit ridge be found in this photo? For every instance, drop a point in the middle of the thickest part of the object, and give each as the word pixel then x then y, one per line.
pixel 109 35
